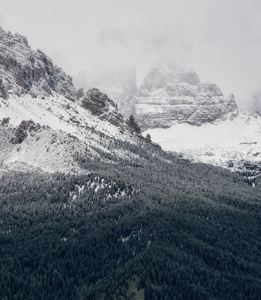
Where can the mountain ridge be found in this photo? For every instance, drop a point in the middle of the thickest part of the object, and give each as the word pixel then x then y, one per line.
pixel 37 93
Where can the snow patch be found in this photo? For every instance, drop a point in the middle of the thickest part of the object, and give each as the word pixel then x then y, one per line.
pixel 237 138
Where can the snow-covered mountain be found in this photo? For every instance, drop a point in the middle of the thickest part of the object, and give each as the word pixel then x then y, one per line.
pixel 173 93
pixel 233 142
pixel 45 123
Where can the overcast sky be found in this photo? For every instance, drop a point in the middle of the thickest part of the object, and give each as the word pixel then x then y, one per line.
pixel 220 39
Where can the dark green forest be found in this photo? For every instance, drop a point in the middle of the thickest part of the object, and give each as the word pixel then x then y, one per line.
pixel 157 227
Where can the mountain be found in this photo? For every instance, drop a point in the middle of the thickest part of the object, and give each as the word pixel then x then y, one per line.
pixel 49 133
pixel 89 209
pixel 173 93
pixel 26 71
pixel 119 84
pixel 195 120
pixel 46 122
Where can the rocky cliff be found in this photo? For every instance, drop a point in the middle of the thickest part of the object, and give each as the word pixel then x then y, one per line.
pixel 173 93
pixel 23 70
pixel 119 84
pixel 100 105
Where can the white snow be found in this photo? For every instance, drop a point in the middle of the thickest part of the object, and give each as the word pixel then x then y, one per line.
pixel 69 128
pixel 56 112
pixel 236 138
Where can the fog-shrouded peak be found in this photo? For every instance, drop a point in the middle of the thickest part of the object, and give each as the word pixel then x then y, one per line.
pixel 119 83
pixel 172 92
pixel 166 72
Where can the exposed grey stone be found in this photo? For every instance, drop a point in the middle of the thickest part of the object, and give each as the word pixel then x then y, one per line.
pixel 173 93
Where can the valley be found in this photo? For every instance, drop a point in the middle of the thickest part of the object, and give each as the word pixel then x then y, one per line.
pixel 92 209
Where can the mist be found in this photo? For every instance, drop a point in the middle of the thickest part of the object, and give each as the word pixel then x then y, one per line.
pixel 219 39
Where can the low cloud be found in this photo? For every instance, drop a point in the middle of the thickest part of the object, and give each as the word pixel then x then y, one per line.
pixel 218 38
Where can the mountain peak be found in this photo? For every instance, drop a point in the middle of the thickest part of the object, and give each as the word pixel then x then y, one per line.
pixel 119 83
pixel 162 74
pixel 23 70
pixel 101 105
pixel 173 93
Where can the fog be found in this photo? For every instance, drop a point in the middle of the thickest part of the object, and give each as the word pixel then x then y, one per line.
pixel 220 39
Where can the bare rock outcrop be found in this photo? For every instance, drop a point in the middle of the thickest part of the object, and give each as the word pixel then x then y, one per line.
pixel 21 132
pixel 100 105
pixel 133 125
pixel 119 84
pixel 5 121
pixel 23 70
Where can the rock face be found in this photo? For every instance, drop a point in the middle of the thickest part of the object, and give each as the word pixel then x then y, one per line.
pixel 23 70
pixel 132 123
pixel 100 105
pixel 173 93
pixel 22 131
pixel 120 85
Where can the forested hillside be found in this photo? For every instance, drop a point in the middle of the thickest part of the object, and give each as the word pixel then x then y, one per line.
pixel 156 228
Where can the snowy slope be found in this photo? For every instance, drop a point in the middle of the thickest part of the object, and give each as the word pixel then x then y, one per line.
pixel 234 142
pixel 56 112
pixel 66 129
pixel 46 123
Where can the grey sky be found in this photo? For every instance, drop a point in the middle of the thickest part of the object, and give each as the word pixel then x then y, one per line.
pixel 220 39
